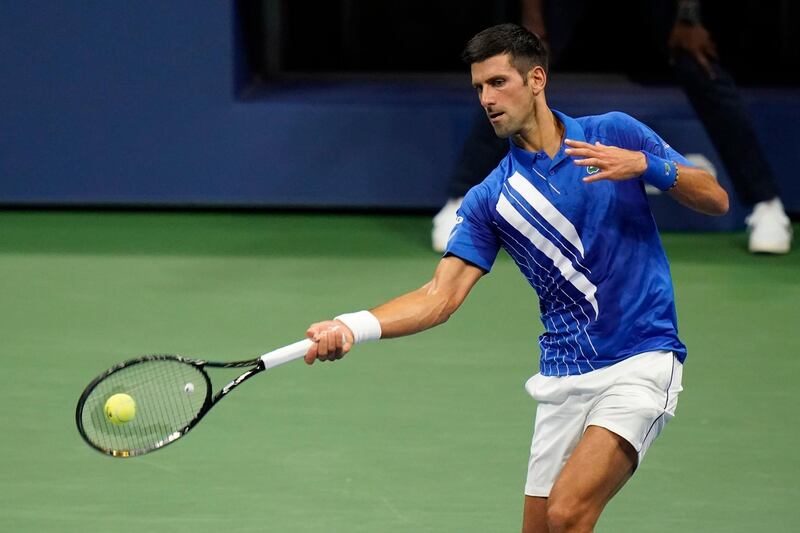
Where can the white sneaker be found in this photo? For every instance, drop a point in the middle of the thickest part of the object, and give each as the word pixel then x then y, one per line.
pixel 770 228
pixel 443 224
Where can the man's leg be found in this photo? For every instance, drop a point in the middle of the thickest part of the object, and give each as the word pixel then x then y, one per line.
pixel 534 518
pixel 719 106
pixel 596 470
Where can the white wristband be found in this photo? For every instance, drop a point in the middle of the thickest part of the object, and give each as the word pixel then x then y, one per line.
pixel 363 324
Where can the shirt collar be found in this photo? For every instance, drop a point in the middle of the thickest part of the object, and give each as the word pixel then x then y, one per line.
pixel 572 130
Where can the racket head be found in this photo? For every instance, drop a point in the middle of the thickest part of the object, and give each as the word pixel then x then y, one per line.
pixel 171 394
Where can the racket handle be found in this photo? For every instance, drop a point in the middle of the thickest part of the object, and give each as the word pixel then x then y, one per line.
pixel 286 354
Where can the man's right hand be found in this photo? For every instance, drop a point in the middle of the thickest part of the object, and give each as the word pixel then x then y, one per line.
pixel 332 340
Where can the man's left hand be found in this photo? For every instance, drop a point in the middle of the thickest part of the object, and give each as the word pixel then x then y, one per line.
pixel 614 163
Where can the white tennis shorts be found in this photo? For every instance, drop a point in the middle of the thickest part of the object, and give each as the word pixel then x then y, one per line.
pixel 634 398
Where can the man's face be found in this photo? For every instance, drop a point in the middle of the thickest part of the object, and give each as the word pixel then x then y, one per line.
pixel 507 100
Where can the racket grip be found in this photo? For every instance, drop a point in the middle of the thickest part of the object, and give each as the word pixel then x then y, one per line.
pixel 286 354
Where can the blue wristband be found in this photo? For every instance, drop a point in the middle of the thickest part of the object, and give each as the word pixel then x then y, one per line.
pixel 660 173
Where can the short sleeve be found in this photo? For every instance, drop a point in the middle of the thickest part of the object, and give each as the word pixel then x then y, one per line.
pixel 627 132
pixel 473 238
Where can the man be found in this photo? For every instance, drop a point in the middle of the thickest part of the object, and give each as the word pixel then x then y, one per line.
pixel 568 204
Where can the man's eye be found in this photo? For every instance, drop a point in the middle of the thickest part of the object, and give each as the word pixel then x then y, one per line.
pixel 497 83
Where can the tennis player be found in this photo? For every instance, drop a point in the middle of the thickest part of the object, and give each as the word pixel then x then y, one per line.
pixel 568 204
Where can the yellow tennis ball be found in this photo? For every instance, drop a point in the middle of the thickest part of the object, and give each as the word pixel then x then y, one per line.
pixel 120 408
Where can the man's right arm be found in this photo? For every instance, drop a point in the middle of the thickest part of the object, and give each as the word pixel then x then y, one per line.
pixel 430 305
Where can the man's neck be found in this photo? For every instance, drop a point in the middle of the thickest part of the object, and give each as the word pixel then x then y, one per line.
pixel 546 134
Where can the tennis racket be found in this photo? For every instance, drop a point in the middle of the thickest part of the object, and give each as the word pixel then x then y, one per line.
pixel 171 395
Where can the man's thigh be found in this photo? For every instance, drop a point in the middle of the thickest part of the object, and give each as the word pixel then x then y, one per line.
pixel 600 465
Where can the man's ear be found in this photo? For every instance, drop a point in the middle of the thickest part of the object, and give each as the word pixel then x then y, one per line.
pixel 537 79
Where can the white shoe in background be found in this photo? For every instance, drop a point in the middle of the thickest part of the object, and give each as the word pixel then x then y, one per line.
pixel 770 228
pixel 443 224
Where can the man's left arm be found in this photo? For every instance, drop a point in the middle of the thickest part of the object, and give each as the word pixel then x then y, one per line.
pixel 691 186
pixel 697 189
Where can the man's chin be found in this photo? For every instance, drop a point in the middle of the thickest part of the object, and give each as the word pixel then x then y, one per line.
pixel 501 132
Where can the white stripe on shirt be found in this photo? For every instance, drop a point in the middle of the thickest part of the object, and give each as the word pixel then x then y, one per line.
pixel 544 245
pixel 548 211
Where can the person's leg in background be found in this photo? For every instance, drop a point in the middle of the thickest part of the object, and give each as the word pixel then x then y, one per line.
pixel 679 27
pixel 719 106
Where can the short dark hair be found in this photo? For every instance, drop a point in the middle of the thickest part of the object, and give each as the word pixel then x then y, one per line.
pixel 525 48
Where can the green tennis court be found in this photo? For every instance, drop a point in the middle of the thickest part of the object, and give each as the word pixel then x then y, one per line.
pixel 422 434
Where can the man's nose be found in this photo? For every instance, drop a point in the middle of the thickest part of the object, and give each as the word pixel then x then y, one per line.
pixel 487 97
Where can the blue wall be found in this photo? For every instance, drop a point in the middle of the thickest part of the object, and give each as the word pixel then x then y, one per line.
pixel 136 103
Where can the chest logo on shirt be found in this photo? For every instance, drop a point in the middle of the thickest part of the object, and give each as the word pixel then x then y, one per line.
pixel 592 170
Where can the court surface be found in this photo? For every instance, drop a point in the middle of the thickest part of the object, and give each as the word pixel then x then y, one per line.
pixel 424 434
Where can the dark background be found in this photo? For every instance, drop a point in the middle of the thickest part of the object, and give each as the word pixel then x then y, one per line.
pixel 757 39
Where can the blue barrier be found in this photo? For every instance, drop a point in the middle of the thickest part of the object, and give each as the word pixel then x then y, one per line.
pixel 141 103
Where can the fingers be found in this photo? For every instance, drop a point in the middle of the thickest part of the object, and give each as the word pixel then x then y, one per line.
pixel 585 149
pixel 598 177
pixel 589 152
pixel 578 144
pixel 311 354
pixel 609 162
pixel 582 152
pixel 331 341
pixel 588 162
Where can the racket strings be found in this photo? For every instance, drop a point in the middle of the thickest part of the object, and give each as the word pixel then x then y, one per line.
pixel 168 395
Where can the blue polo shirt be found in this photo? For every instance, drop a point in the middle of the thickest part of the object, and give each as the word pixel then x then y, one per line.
pixel 590 250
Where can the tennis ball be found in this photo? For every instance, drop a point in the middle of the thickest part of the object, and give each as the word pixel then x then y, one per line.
pixel 188 388
pixel 120 408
